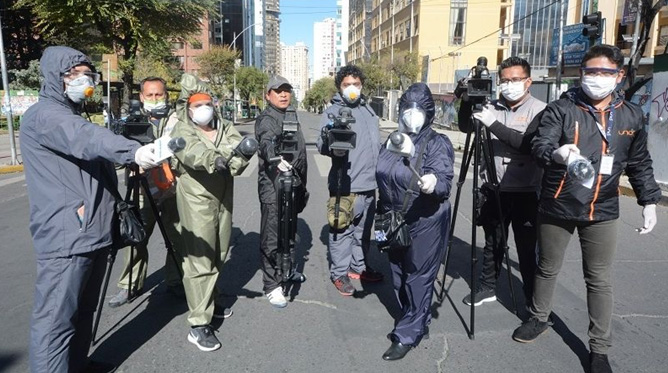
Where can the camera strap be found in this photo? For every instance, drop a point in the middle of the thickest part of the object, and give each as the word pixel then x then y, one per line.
pixel 418 165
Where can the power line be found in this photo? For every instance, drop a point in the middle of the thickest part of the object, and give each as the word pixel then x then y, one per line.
pixel 500 29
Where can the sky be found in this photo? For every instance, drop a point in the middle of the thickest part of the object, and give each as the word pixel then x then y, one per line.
pixel 297 18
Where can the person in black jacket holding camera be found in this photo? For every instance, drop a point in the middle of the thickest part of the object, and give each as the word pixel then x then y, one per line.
pixel 268 130
pixel 595 124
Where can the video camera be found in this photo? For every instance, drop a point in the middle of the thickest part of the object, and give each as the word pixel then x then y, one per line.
pixel 287 143
pixel 477 86
pixel 136 125
pixel 338 133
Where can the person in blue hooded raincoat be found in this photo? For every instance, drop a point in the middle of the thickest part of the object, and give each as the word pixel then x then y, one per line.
pixel 414 268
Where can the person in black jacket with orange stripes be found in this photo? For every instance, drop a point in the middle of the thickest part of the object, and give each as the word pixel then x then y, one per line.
pixel 595 123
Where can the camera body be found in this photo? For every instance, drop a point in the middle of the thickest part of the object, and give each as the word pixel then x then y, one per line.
pixel 477 86
pixel 287 145
pixel 338 132
pixel 135 126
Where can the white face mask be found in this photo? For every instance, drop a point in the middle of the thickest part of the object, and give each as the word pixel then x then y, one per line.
pixel 150 105
pixel 512 91
pixel 351 94
pixel 202 115
pixel 80 89
pixel 598 87
pixel 412 120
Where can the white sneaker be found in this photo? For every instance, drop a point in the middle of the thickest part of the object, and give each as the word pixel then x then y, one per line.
pixel 276 298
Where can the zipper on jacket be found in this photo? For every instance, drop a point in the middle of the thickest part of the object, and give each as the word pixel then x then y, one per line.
pixel 576 139
pixel 604 150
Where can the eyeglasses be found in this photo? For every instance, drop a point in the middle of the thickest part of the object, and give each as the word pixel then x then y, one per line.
pixel 599 71
pixel 77 74
pixel 512 80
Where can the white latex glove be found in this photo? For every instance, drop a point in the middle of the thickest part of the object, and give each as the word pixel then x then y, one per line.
pixel 145 156
pixel 560 155
pixel 649 216
pixel 338 152
pixel 284 166
pixel 427 183
pixel 486 117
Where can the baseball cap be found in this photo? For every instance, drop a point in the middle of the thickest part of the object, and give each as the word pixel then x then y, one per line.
pixel 276 81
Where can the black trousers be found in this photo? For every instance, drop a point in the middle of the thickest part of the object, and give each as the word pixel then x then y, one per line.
pixel 518 209
pixel 66 295
pixel 269 246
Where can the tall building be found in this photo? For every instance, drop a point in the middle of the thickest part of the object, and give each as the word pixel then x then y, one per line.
pixel 294 67
pixel 227 28
pixel 359 31
pixel 187 51
pixel 272 37
pixel 342 27
pixel 256 34
pixel 324 48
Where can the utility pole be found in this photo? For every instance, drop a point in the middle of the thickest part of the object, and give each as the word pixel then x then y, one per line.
pixel 560 53
pixel 7 98
pixel 410 48
pixel 636 30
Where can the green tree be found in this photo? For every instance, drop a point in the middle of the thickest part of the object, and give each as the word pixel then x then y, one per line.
pixel 120 26
pixel 405 70
pixel 251 82
pixel 377 77
pixel 647 14
pixel 28 78
pixel 21 41
pixel 320 93
pixel 164 67
pixel 217 65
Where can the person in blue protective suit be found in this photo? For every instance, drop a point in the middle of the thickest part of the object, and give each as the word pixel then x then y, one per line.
pixel 427 215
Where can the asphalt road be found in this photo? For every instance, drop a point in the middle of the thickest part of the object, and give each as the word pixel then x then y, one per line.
pixel 322 331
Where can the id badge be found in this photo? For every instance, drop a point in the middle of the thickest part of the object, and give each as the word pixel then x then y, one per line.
pixel 607 161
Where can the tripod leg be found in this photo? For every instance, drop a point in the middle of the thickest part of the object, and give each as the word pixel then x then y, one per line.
pixel 111 257
pixel 466 161
pixel 491 169
pixel 161 225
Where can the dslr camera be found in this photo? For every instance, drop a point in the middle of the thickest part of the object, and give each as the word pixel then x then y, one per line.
pixel 136 126
pixel 337 133
pixel 476 88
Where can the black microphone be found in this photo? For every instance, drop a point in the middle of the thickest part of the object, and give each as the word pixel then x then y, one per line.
pixel 245 149
pixel 176 144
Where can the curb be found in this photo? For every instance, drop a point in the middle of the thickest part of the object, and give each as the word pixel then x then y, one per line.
pixel 11 169
pixel 627 190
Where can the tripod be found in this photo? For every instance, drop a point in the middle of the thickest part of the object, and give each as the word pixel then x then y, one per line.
pixel 287 229
pixel 479 150
pixel 136 181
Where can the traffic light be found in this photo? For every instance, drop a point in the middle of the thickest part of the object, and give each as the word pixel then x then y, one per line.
pixel 593 25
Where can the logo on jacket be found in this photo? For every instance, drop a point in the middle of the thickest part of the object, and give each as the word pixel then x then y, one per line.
pixel 626 132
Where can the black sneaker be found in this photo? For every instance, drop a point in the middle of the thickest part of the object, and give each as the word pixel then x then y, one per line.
pixel 598 363
pixel 203 338
pixel 481 296
pixel 220 312
pixel 530 330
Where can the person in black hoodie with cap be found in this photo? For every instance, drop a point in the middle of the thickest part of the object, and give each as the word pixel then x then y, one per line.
pixel 414 268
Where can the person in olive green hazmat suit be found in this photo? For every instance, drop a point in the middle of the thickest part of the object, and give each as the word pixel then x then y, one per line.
pixel 204 198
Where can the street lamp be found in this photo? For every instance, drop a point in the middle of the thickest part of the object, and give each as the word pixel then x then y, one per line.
pixel 234 93
pixel 108 62
pixel 6 99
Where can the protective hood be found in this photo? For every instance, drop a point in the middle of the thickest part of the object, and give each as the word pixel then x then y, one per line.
pixel 190 85
pixel 419 94
pixel 55 62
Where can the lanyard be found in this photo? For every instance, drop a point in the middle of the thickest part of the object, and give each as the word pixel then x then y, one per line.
pixel 607 134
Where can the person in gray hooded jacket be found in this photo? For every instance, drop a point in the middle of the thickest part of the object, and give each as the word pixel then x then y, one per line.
pixel 353 176
pixel 69 174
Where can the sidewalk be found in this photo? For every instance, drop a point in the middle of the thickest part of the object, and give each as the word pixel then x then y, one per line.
pixel 458 140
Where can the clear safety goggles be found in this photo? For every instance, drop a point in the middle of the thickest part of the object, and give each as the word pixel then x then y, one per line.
pixel 95 77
